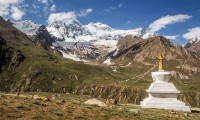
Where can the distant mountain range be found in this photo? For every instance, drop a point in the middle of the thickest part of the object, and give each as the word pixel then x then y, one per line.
pixel 91 42
pixel 82 42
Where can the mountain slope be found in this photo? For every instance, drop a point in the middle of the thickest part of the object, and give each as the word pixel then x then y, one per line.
pixel 142 49
pixel 25 66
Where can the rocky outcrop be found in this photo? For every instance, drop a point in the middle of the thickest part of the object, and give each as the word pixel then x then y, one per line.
pixel 8 55
pixel 193 45
pixel 24 84
pixel 190 98
pixel 178 75
pixel 43 38
pixel 2 41
pixel 122 94
pixel 17 58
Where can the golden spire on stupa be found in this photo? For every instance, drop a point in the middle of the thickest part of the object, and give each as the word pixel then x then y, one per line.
pixel 160 62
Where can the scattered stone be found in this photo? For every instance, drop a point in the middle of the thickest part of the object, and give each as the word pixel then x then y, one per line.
pixel 96 102
pixel 135 111
pixel 45 99
pixel 62 101
pixel 186 114
pixel 38 98
pixel 18 93
pixel 19 106
pixel 173 112
pixel 112 101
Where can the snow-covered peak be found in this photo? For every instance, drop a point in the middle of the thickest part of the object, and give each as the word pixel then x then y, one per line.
pixel 65 23
pixel 29 27
pixel 68 28
pixel 194 40
pixel 98 34
pixel 191 42
pixel 98 26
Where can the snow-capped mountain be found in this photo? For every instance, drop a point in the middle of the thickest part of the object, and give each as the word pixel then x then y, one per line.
pixel 91 41
pixel 71 30
pixel 83 42
pixel 29 27
pixel 193 45
pixel 37 32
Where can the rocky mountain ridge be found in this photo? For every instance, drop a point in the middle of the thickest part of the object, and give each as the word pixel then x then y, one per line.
pixel 193 45
pixel 82 42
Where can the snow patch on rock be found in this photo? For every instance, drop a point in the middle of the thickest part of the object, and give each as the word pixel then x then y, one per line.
pixel 108 62
pixel 72 56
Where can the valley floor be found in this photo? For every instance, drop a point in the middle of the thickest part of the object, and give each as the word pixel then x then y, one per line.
pixel 24 107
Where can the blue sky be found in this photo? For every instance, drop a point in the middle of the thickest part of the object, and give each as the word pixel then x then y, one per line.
pixel 121 14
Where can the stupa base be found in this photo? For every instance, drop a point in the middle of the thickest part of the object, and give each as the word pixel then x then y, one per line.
pixel 165 103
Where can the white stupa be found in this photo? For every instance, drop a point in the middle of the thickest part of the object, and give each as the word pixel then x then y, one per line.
pixel 162 93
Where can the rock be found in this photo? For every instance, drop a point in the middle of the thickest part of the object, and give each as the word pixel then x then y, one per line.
pixel 96 102
pixel 2 41
pixel 135 111
pixel 76 77
pixel 45 99
pixel 173 112
pixel 26 79
pixel 186 114
pixel 112 101
pixel 18 93
pixel 62 101
pixel 17 58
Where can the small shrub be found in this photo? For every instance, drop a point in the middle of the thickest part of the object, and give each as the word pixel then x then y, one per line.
pixel 59 103
pixel 20 119
pixel 58 113
pixel 20 106
pixel 5 104
pixel 36 102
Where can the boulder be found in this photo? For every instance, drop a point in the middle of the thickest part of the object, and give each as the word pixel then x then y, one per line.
pixel 96 102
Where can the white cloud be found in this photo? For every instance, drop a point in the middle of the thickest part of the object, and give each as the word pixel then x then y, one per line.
pixel 67 15
pixel 172 37
pixel 35 6
pixel 128 22
pixel 16 13
pixel 120 5
pixel 11 8
pixel 53 8
pixel 111 8
pixel 61 16
pixel 167 20
pixel 85 12
pixel 192 33
pixel 43 1
pixel 46 10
